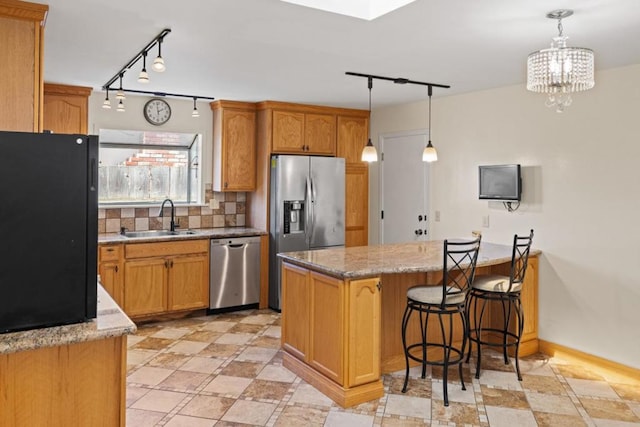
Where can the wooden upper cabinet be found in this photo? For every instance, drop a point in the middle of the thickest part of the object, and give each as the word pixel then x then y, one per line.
pixel 352 137
pixel 21 37
pixel 304 133
pixel 288 132
pixel 66 108
pixel 234 146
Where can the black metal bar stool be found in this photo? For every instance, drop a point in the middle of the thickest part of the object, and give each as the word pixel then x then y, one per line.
pixel 506 290
pixel 446 299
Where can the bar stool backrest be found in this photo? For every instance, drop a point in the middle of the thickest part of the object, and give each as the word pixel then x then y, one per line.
pixel 459 267
pixel 519 259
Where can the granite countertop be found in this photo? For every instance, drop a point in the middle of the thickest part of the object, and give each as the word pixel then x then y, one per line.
pixel 110 322
pixel 368 261
pixel 200 233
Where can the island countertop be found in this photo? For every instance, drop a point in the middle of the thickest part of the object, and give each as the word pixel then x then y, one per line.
pixel 110 322
pixel 368 261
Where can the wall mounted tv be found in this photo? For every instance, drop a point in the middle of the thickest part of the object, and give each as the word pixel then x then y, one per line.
pixel 500 182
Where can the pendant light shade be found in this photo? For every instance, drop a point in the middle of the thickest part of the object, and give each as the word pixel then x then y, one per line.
pixel 106 104
pixel 429 154
pixel 195 112
pixel 120 108
pixel 369 152
pixel 158 63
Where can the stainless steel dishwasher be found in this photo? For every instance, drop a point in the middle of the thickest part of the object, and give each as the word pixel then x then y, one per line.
pixel 234 273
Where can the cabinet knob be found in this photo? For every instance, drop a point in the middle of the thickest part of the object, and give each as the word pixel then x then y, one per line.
pixel 109 249
pixel 379 286
pixel 116 268
pixel 226 184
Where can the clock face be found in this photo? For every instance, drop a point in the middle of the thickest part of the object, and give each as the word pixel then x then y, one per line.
pixel 157 111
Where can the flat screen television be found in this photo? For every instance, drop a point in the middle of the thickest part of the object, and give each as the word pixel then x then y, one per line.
pixel 500 182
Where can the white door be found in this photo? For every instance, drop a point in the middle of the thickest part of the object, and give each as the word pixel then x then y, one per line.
pixel 404 187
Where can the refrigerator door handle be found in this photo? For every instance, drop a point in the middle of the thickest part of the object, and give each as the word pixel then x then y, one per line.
pixel 308 212
pixel 313 210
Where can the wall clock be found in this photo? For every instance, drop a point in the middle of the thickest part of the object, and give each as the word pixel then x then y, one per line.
pixel 157 111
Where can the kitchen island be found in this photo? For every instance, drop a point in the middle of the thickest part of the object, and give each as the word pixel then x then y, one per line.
pixel 342 311
pixel 69 375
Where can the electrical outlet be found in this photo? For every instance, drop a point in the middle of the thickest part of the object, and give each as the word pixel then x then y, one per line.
pixel 437 216
pixel 485 221
pixel 214 204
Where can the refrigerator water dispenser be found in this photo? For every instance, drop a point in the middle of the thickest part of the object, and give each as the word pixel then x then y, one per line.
pixel 293 216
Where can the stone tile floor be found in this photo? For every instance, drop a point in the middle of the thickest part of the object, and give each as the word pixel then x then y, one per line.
pixel 226 370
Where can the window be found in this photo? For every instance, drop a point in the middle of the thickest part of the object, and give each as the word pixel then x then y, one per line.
pixel 140 167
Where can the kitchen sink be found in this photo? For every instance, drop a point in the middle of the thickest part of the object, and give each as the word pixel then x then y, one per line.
pixel 158 233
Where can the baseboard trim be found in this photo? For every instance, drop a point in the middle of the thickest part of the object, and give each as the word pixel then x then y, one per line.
pixel 612 371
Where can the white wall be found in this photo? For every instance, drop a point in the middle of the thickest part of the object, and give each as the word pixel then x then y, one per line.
pixel 133 119
pixel 581 195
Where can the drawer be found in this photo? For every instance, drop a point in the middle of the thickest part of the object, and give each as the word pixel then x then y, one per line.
pixel 182 247
pixel 110 252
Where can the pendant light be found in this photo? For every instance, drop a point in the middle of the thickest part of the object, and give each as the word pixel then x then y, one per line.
pixel 429 154
pixel 143 77
pixel 120 93
pixel 158 63
pixel 120 108
pixel 106 104
pixel 195 112
pixel 369 153
pixel 560 70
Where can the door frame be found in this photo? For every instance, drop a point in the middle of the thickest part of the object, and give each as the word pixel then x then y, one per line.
pixel 381 138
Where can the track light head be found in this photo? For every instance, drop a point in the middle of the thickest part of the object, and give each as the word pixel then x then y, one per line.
pixel 143 77
pixel 158 63
pixel 195 112
pixel 120 108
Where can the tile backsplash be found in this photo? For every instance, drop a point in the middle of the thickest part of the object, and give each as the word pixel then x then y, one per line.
pixel 231 213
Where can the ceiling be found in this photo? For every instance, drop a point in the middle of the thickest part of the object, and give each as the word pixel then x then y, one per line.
pixel 254 50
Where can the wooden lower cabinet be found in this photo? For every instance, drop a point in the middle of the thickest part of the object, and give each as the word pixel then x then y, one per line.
pixel 165 277
pixel 145 287
pixel 331 333
pixel 189 283
pixel 111 271
pixel 364 307
pixel 356 204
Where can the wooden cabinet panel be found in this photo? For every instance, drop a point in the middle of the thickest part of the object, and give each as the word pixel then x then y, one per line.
pixel 20 73
pixel 320 134
pixel 156 249
pixel 234 146
pixel 352 137
pixel 145 290
pixel 295 317
pixel 364 331
pixel 326 346
pixel 356 204
pixel 111 271
pixel 65 108
pixel 288 132
pixel 189 282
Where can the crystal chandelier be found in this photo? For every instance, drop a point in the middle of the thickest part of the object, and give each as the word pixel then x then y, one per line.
pixel 560 70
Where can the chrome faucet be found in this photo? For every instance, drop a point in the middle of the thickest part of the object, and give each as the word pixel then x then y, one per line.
pixel 172 225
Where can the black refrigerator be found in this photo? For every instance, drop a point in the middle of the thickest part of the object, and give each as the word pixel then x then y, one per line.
pixel 48 229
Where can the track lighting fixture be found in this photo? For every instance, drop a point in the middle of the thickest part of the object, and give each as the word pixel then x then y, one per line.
pixel 429 154
pixel 106 104
pixel 195 112
pixel 369 153
pixel 143 77
pixel 158 63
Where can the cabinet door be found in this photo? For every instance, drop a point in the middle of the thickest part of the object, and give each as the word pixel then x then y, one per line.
pixel 65 113
pixel 363 331
pixel 295 312
pixel 145 286
pixel 111 279
pixel 288 132
pixel 239 150
pixel 320 134
pixel 20 77
pixel 188 282
pixel 326 344
pixel 356 204
pixel 352 137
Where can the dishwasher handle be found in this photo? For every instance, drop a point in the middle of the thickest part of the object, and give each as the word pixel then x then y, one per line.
pixel 236 245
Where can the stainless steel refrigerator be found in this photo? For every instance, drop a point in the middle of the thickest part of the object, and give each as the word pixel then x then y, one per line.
pixel 307 209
